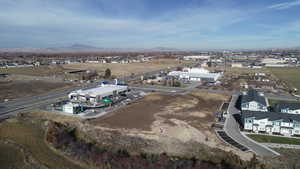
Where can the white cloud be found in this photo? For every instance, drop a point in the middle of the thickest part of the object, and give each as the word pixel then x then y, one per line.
pixel 285 5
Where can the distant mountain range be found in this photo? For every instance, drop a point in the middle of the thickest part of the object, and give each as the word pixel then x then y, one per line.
pixel 77 48
pixel 82 48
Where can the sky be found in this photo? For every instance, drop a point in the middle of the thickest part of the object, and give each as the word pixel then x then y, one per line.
pixel 182 24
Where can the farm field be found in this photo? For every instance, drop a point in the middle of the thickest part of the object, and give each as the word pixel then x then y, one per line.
pixel 120 70
pixel 288 75
pixel 31 138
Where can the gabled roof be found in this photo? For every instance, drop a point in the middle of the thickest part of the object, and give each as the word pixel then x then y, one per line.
pixel 272 116
pixel 253 95
pixel 290 106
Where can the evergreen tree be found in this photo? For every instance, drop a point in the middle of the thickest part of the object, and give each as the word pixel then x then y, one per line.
pixel 107 73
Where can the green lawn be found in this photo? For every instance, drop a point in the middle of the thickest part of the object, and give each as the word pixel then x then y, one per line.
pixel 272 102
pixel 274 139
pixel 289 75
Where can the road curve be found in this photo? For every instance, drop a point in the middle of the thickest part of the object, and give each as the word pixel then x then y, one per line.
pixel 232 129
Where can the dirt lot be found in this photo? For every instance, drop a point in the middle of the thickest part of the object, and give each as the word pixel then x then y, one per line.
pixel 119 69
pixel 142 113
pixel 139 115
pixel 172 120
pixel 19 89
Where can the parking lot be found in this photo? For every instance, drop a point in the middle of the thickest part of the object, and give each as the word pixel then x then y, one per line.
pixel 95 112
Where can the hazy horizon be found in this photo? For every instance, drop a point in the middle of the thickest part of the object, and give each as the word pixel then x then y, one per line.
pixel 194 24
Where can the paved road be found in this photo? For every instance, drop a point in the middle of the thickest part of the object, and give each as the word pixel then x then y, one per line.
pixel 11 108
pixel 232 129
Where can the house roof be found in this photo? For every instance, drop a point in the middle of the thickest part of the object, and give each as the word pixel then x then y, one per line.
pixel 253 95
pixel 290 106
pixel 271 116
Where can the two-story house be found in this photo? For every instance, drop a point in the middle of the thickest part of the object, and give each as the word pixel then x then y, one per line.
pixel 292 108
pixel 254 101
pixel 271 122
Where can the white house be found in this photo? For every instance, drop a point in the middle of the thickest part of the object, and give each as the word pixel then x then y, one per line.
pixel 72 108
pixel 254 101
pixel 292 108
pixel 271 122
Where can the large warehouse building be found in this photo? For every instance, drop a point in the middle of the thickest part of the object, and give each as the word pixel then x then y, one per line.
pixel 195 74
pixel 98 94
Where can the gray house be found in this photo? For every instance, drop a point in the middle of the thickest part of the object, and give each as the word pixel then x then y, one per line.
pixel 292 108
pixel 254 101
pixel 271 122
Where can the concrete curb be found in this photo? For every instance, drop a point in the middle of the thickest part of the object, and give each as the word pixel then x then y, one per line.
pixel 278 154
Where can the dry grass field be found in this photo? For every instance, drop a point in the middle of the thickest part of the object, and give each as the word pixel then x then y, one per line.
pixel 36 71
pixel 291 76
pixel 11 157
pixel 288 159
pixel 31 137
pixel 20 89
pixel 120 70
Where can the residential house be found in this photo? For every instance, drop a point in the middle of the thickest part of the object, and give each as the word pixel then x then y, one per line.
pixel 271 122
pixel 254 101
pixel 291 108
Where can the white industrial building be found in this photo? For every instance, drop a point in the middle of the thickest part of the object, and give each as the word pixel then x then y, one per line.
pixel 272 61
pixel 195 74
pixel 72 108
pixel 196 57
pixel 96 95
pixel 237 65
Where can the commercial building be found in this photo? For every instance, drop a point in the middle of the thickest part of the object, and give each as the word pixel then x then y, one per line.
pixel 72 108
pixel 237 65
pixel 206 57
pixel 254 101
pixel 96 95
pixel 195 74
pixel 272 61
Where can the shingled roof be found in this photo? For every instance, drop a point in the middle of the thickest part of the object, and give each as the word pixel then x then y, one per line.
pixel 272 116
pixel 253 95
pixel 290 106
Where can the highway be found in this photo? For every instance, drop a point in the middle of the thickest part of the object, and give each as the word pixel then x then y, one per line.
pixel 232 129
pixel 11 108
